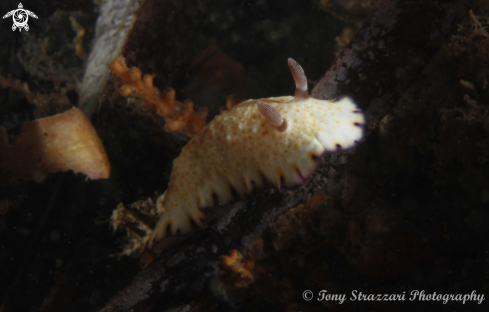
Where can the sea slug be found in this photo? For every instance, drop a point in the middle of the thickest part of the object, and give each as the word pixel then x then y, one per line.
pixel 277 141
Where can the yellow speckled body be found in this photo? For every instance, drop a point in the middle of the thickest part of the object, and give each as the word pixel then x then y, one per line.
pixel 241 150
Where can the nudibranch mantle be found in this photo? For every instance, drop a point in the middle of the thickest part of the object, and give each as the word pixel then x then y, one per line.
pixel 241 150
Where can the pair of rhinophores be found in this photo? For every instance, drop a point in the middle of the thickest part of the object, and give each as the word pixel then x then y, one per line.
pixel 276 140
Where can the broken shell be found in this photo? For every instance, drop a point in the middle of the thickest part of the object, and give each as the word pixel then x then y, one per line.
pixel 62 142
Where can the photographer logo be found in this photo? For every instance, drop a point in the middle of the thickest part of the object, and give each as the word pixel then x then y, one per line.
pixel 20 18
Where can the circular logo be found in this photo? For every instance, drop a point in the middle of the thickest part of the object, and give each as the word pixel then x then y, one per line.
pixel 20 18
pixel 307 295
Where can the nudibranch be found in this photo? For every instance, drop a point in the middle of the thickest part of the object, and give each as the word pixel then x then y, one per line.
pixel 276 141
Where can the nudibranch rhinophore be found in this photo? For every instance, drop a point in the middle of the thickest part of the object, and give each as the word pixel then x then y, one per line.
pixel 276 140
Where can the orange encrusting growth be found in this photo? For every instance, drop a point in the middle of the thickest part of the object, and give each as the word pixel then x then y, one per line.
pixel 179 117
pixel 241 273
pixel 45 104
pixel 231 102
pixel 19 86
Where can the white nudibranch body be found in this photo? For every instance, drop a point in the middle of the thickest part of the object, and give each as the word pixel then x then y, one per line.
pixel 276 140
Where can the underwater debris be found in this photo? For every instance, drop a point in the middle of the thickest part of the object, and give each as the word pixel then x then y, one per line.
pixel 237 273
pixel 47 56
pixel 343 39
pixel 62 142
pixel 138 221
pixel 467 84
pixel 46 104
pixel 231 102
pixel 479 29
pixel 352 11
pixel 78 41
pixel 241 271
pixel 469 51
pixel 179 117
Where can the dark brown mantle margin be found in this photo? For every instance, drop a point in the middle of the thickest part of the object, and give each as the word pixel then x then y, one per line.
pixel 378 65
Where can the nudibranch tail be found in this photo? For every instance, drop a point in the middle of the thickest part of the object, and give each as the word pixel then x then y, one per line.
pixel 176 222
pixel 273 116
pixel 300 80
